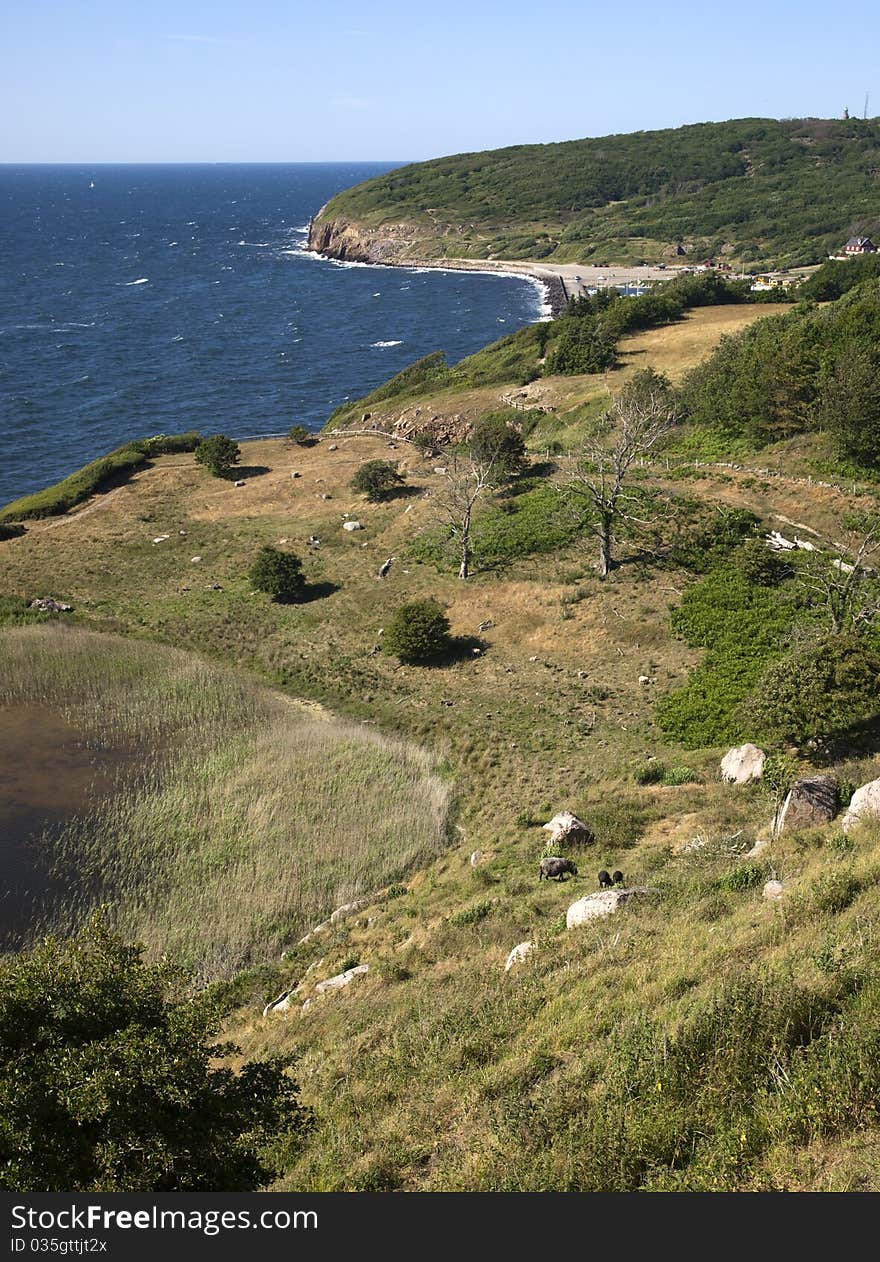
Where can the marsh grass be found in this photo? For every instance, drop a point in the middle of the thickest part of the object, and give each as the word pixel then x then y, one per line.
pixel 249 819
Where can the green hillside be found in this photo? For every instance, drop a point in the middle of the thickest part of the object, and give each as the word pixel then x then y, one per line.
pixel 759 189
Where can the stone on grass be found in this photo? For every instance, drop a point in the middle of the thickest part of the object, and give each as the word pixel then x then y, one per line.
pixel 566 827
pixel 743 764
pixel 280 1005
pixel 773 891
pixel 48 605
pixel 341 979
pixel 352 525
pixel 517 955
pixel 605 903
pixel 865 804
pixel 810 803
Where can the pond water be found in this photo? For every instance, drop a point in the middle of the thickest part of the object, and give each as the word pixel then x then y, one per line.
pixel 49 772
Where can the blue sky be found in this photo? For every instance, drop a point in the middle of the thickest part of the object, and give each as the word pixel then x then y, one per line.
pixel 333 80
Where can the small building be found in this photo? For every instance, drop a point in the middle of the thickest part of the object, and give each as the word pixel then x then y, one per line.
pixel 859 245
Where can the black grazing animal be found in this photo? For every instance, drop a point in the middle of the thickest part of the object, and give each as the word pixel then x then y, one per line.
pixel 605 880
pixel 617 877
pixel 555 867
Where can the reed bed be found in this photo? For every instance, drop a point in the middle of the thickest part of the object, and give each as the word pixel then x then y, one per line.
pixel 248 819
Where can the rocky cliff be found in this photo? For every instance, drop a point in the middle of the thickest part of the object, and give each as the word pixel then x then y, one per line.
pixel 344 239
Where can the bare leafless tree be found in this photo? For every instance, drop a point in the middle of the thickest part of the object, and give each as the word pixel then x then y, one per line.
pixel 846 585
pixel 463 483
pixel 597 484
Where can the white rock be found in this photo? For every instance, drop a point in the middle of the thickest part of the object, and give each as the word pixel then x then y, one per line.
pixel 239 482
pixel 347 909
pixel 195 560
pixel 567 827
pixel 517 955
pixel 341 979
pixel 295 473
pixel 333 447
pixel 865 804
pixel 645 680
pixel 308 1003
pixel 605 903
pixel 743 764
pixel 280 1005
pixel 161 538
pixel 773 891
pixel 476 857
pixel 352 525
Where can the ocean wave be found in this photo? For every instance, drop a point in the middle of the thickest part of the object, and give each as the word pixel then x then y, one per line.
pixel 376 345
pixel 179 338
pixel 257 244
pixel 142 280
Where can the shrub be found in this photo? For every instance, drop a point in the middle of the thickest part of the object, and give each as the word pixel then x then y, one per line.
pixel 278 573
pixel 116 1061
pixel 680 775
pixel 218 454
pixel 494 438
pixel 377 479
pixel 650 772
pixel 418 633
pixel 743 877
pixel 300 435
pixel 472 915
pixel 825 690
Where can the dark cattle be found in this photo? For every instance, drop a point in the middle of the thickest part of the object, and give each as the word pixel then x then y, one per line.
pixel 617 877
pixel 555 867
pixel 605 880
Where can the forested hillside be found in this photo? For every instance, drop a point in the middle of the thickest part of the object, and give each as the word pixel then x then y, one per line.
pixel 785 191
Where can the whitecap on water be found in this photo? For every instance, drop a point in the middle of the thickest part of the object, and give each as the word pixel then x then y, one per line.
pixel 142 280
pixel 382 345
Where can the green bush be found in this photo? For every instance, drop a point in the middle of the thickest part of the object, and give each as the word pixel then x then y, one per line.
pixel 472 915
pixel 300 435
pixel 377 479
pixel 495 438
pixel 218 454
pixel 650 772
pixel 744 877
pixel 825 690
pixel 418 633
pixel 680 775
pixel 116 1061
pixel 278 573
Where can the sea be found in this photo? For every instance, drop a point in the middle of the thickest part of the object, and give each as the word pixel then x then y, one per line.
pixel 139 300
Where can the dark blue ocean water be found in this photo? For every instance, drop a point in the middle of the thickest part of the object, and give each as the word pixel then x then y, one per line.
pixel 137 300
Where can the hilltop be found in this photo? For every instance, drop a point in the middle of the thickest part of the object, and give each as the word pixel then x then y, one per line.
pixel 703 1036
pixel 752 191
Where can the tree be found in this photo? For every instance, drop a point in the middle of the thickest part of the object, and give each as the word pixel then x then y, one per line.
pixel 494 440
pixel 845 587
pixel 378 480
pixel 849 405
pixel 598 485
pixel 218 454
pixel 300 435
pixel 464 483
pixel 418 633
pixel 278 573
pixel 108 1079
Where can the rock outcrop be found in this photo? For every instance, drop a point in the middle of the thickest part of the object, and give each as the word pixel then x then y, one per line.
pixel 865 804
pixel 810 803
pixel 341 979
pixel 743 764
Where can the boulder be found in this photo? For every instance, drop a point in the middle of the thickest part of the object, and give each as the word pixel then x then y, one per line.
pixel 476 856
pixel 810 803
pixel 743 764
pixel 347 909
pixel 280 1005
pixel 517 955
pixel 773 891
pixel 865 804
pixel 352 525
pixel 48 605
pixel 566 827
pixel 341 979
pixel 605 903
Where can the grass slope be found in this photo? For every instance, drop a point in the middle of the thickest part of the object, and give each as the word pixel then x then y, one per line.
pixel 783 191
pixel 703 1038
